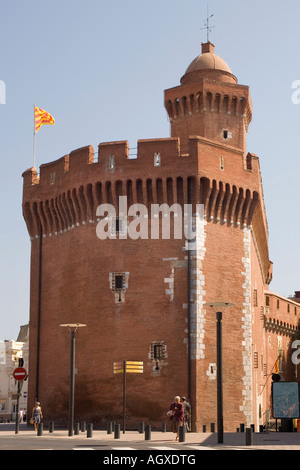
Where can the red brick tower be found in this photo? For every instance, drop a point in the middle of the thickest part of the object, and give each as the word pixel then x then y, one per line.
pixel 144 299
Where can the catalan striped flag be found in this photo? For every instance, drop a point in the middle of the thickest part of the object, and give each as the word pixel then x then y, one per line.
pixel 42 117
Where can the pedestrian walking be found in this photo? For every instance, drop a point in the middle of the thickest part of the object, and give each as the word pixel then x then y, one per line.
pixel 187 414
pixel 176 414
pixel 37 415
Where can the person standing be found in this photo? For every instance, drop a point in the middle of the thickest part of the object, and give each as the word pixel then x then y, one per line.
pixel 37 414
pixel 176 413
pixel 187 414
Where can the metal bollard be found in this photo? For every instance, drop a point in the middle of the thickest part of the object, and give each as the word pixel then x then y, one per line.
pixel 76 429
pixel 83 426
pixel 212 427
pixel 40 429
pixel 51 426
pixel 141 427
pixel 261 428
pixel 109 427
pixel 89 430
pixel 164 427
pixel 249 437
pixel 204 427
pixel 181 434
pixel 117 431
pixel 147 432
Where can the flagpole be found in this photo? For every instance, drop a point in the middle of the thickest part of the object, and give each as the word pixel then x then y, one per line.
pixel 34 135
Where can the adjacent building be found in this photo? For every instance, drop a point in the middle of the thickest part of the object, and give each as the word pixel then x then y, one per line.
pixel 11 352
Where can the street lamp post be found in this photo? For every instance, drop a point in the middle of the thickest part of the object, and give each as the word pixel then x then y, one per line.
pixel 72 328
pixel 218 307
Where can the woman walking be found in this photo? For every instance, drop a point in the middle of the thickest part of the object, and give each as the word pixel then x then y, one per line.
pixel 37 414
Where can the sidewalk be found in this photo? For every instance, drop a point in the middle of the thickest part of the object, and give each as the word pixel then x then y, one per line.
pixel 261 441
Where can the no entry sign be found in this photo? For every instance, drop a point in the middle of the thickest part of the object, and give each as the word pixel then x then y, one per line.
pixel 19 373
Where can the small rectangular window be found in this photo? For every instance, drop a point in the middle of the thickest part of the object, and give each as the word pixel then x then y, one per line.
pixel 255 297
pixel 118 281
pixel 158 351
pixel 255 360
pixel 157 159
pixel 111 162
pixel 119 284
pixel 52 177
pixel 227 134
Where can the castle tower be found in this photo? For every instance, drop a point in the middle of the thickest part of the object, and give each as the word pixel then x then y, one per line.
pixel 143 297
pixel 209 103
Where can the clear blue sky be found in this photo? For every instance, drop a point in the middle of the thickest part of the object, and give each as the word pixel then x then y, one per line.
pixel 100 67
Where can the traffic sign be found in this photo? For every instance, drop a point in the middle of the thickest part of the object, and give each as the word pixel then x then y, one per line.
pixel 19 373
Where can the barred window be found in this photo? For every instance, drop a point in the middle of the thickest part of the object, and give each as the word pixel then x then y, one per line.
pixel 158 350
pixel 158 353
pixel 118 282
pixel 255 360
pixel 255 297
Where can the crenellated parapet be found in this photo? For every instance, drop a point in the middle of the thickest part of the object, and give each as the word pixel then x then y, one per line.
pixel 68 191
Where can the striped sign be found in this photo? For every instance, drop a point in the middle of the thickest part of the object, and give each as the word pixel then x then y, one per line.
pixel 132 367
pixel 118 367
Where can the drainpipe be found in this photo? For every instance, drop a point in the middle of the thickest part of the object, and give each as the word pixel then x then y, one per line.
pixel 189 303
pixel 39 315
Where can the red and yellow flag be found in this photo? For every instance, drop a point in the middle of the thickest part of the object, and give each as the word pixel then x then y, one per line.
pixel 42 117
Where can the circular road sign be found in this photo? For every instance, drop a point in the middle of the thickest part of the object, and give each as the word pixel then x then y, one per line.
pixel 19 373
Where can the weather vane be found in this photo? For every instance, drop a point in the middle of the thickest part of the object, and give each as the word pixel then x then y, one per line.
pixel 207 26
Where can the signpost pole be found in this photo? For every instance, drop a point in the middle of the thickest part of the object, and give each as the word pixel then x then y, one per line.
pixel 124 394
pixel 72 328
pixel 17 407
pixel 19 374
pixel 72 384
pixel 133 367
